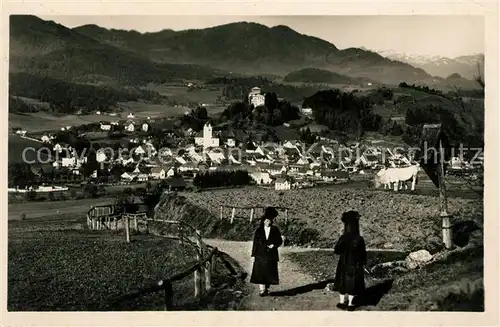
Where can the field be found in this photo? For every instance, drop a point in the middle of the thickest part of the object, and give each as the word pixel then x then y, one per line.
pixel 50 208
pixel 44 121
pixel 57 265
pixel 389 220
pixel 17 144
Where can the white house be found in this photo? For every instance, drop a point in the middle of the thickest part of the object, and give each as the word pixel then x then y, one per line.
pixel 207 140
pixel 130 127
pixel 68 162
pixel 97 112
pixel 130 115
pixel 128 176
pixel 306 111
pixel 58 148
pixel 231 142
pixel 105 127
pixel 170 172
pixel 21 132
pixel 261 178
pixel 145 127
pixel 282 184
pixel 45 139
pixel 140 150
pixel 101 156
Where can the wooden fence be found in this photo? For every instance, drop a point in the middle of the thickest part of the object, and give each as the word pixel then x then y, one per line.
pixel 252 211
pixel 103 217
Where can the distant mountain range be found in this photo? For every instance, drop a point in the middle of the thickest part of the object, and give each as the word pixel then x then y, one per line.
pixel 91 53
pixel 465 66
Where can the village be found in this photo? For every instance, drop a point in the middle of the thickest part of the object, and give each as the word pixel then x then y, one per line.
pixel 283 165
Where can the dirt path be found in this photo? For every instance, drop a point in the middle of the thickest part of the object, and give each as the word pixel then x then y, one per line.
pixel 297 290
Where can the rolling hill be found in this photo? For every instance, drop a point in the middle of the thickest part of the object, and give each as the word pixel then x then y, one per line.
pixel 52 50
pixel 316 75
pixel 91 53
pixel 256 49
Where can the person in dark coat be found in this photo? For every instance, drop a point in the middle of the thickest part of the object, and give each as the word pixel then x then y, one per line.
pixel 350 277
pixel 267 239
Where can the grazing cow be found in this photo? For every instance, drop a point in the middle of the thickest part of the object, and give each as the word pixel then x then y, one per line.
pixel 397 177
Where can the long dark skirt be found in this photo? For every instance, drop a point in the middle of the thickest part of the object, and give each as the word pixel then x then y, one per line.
pixel 265 271
pixel 349 279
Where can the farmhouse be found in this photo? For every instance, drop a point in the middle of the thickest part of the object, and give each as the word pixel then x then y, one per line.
pixel 282 183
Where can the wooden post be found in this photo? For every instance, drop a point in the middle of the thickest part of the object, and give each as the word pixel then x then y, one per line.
pixel 232 214
pixel 251 214
pixel 197 277
pixel 446 224
pixel 221 211
pixel 135 223
pixel 127 228
pixel 208 274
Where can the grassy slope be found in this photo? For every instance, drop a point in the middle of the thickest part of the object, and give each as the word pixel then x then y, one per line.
pixel 68 268
pixel 453 285
pixel 386 215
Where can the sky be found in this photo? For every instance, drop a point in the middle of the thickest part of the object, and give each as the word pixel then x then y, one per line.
pixel 447 36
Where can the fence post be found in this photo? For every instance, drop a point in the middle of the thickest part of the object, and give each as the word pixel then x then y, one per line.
pixel 197 277
pixel 208 274
pixel 221 211
pixel 251 214
pixel 232 214
pixel 135 223
pixel 127 228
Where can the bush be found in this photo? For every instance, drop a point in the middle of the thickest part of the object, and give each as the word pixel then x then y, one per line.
pixel 30 195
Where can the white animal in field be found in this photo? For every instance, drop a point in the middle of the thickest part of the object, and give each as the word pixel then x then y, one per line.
pixel 397 177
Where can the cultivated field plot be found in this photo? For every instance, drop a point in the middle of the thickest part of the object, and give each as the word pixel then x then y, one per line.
pixel 40 121
pixel 57 265
pixel 389 219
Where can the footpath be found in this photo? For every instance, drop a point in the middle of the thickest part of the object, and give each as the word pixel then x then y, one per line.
pixel 296 291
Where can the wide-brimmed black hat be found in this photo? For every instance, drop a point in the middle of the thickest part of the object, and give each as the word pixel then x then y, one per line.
pixel 350 216
pixel 270 213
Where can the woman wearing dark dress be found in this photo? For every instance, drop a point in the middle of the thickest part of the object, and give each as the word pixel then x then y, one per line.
pixel 350 278
pixel 267 239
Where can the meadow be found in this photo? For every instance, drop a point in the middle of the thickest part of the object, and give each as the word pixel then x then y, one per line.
pixel 385 215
